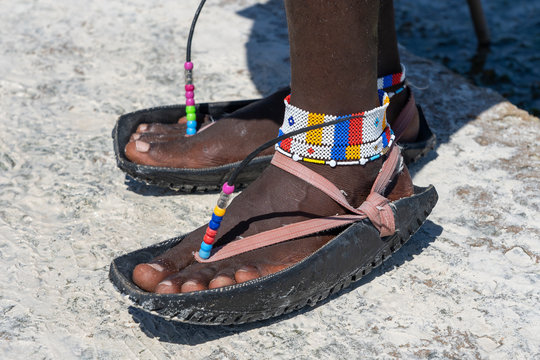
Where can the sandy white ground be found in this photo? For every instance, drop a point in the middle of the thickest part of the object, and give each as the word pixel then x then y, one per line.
pixel 466 286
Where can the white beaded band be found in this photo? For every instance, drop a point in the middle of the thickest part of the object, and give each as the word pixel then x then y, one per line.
pixel 359 138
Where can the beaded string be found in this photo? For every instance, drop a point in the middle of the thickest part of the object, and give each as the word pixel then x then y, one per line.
pixel 215 223
pixel 228 187
pixel 188 76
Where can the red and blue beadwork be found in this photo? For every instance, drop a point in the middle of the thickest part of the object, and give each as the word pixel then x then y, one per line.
pixel 356 139
pixel 214 224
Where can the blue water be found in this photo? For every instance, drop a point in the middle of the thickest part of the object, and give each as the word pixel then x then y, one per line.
pixel 443 31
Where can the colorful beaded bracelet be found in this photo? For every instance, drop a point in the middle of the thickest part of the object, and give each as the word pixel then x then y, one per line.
pixel 356 139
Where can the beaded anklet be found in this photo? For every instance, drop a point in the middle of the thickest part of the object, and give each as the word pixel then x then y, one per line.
pixel 388 81
pixel 367 135
pixel 359 138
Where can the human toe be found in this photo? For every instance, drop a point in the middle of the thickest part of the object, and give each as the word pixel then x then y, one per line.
pixel 148 275
pixel 246 273
pixel 222 279
pixel 161 128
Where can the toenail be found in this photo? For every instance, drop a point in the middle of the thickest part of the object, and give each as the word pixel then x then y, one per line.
pixel 166 283
pixel 157 267
pixel 141 146
pixel 143 127
pixel 136 136
pixel 220 277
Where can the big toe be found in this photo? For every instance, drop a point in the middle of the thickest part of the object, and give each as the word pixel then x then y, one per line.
pixel 148 275
pixel 138 152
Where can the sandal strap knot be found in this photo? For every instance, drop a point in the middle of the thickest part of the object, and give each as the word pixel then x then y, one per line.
pixel 378 210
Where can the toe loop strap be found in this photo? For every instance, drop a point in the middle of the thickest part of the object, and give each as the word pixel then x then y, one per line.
pixel 378 210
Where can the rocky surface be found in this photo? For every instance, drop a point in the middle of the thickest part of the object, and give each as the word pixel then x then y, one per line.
pixel 466 286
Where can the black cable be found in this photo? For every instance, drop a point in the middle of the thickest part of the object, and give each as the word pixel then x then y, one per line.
pixel 267 144
pixel 192 30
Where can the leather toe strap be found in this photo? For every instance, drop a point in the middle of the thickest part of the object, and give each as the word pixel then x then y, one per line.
pixel 378 210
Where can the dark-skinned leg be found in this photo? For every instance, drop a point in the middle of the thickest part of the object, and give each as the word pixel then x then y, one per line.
pixel 389 63
pixel 241 132
pixel 330 74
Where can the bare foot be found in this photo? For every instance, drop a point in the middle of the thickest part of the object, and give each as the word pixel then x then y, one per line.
pixel 274 199
pixel 229 139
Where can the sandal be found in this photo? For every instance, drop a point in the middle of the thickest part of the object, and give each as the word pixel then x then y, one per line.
pixel 210 179
pixel 369 235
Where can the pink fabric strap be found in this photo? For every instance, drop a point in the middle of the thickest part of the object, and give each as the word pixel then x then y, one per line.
pixel 376 207
pixel 405 117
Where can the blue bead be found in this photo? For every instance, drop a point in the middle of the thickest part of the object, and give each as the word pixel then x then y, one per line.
pixel 213 225
pixel 341 132
pixel 387 81
pixel 216 218
pixel 374 157
pixel 206 247
pixel 192 124
pixel 291 121
pixel 204 254
pixel 339 153
pixel 381 95
pixel 191 131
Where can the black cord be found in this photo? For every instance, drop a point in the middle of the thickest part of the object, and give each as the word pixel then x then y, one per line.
pixel 192 30
pixel 267 144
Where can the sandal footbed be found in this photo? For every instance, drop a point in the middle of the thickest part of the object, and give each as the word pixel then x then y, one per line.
pixel 348 257
pixel 210 179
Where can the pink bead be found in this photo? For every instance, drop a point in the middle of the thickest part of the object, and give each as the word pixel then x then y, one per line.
pixel 188 65
pixel 228 189
pixel 190 102
pixel 190 87
pixel 189 94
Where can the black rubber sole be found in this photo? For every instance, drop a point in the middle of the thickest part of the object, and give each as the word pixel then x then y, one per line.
pixel 210 179
pixel 352 254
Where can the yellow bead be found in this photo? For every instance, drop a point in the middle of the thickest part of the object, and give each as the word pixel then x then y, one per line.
pixel 219 211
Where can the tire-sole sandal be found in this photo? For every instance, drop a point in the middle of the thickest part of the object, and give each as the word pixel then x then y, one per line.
pixel 370 235
pixel 210 179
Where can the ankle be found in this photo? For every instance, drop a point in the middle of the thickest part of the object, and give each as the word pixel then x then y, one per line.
pixel 397 104
pixel 354 181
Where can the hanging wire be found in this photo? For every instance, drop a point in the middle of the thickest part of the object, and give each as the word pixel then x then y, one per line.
pixel 192 30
